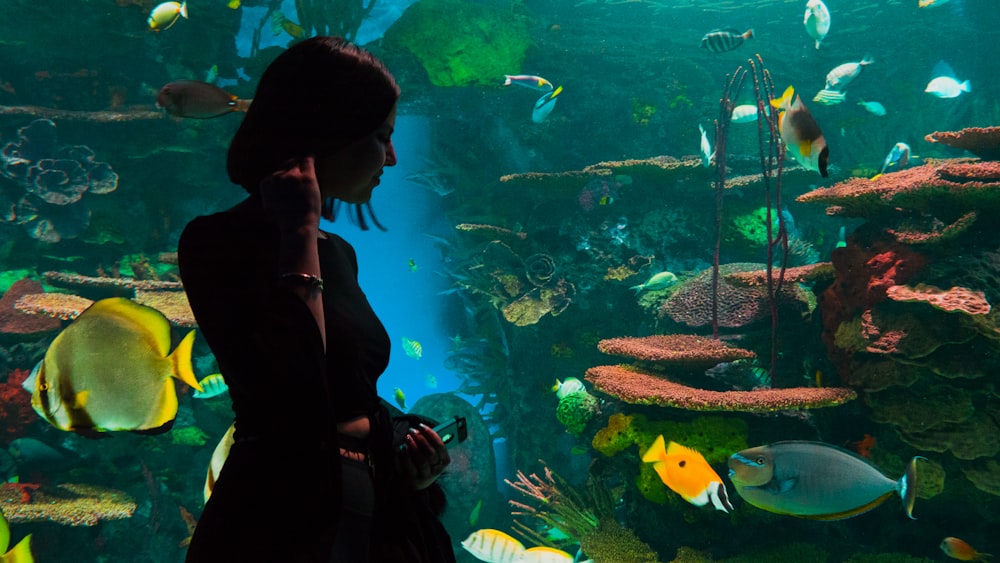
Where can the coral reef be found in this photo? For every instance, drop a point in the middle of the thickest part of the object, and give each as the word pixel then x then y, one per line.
pixel 635 387
pixel 70 504
pixel 16 412
pixel 587 518
pixel 575 410
pixel 53 180
pixel 983 142
pixel 675 349
pixel 956 299
pixel 799 274
pixel 15 323
pixel 739 305
pixel 493 41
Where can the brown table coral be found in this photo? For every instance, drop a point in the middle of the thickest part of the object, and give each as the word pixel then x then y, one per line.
pixel 983 142
pixel 69 503
pixel 675 349
pixel 636 387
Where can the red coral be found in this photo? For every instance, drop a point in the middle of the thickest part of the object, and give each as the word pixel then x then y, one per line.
pixel 15 406
pixel 15 322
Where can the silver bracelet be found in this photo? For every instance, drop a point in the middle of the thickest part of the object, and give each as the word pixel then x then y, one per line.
pixel 309 279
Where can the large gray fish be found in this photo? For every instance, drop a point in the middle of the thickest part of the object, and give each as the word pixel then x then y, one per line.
pixel 816 480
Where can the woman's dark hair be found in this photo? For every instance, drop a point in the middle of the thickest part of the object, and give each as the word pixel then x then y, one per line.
pixel 321 94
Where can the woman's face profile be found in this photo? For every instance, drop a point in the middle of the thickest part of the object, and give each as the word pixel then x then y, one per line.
pixel 352 172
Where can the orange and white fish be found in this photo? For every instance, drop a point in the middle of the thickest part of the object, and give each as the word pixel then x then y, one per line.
pixel 961 550
pixel 528 81
pixel 687 473
pixel 802 136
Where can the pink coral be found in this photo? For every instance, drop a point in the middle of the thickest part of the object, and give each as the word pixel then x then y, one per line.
pixel 956 299
pixel 685 349
pixel 983 142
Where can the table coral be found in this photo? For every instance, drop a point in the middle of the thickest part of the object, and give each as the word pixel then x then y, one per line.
pixel 17 323
pixel 675 349
pixel 70 504
pixel 983 142
pixel 956 299
pixel 635 387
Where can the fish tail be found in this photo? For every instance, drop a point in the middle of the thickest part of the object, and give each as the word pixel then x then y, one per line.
pixel 748 34
pixel 180 358
pixel 656 452
pixel 967 86
pixel 908 486
pixel 241 105
pixel 785 100
pixel 507 80
pixel 184 10
pixel 867 59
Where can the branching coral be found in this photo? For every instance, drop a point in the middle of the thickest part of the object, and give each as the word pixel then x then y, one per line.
pixel 588 518
pixel 54 178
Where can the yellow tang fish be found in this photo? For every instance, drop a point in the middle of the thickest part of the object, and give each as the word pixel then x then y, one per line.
pixel 110 370
pixel 493 546
pixel 412 348
pixel 686 472
pixel 20 553
pixel 166 15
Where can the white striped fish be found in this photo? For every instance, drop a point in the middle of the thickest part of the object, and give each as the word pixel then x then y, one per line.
pixel 493 546
pixel 542 554
pixel 722 40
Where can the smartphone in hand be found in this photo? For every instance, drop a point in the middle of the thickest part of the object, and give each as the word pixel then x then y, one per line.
pixel 452 431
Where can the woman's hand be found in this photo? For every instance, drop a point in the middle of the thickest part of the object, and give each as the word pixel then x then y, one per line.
pixel 291 196
pixel 425 456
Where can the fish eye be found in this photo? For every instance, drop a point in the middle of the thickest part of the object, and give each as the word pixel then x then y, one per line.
pixel 682 463
pixel 759 460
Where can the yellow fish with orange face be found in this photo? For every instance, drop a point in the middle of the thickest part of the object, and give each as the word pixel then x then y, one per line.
pixel 687 473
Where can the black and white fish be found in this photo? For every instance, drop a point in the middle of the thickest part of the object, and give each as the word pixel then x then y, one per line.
pixel 722 40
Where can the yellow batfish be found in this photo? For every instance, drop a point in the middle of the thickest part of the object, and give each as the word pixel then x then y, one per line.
pixel 687 473
pixel 801 134
pixel 494 546
pixel 20 553
pixel 110 370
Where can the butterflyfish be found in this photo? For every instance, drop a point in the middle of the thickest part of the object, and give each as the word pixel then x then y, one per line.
pixel 166 14
pixel 110 370
pixel 801 134
pixel 686 472
pixel 20 553
pixel 493 546
pixel 816 480
pixel 219 455
pixel 545 105
pixel 198 100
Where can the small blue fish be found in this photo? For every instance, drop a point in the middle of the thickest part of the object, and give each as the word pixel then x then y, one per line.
pixel 400 398
pixel 545 105
pixel 211 386
pixel 413 348
pixel 897 159
pixel 873 108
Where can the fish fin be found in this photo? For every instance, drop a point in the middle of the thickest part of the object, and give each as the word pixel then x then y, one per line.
pixel 867 59
pixel 805 148
pixel 680 449
pixel 748 34
pixel 785 99
pixel 20 553
pixel 720 496
pixel 241 104
pixel 967 86
pixel 181 361
pixel 908 486
pixel 80 400
pixel 656 452
pixel 559 90
pixel 184 10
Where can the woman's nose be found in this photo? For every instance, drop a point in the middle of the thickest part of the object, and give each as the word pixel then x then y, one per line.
pixel 390 155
